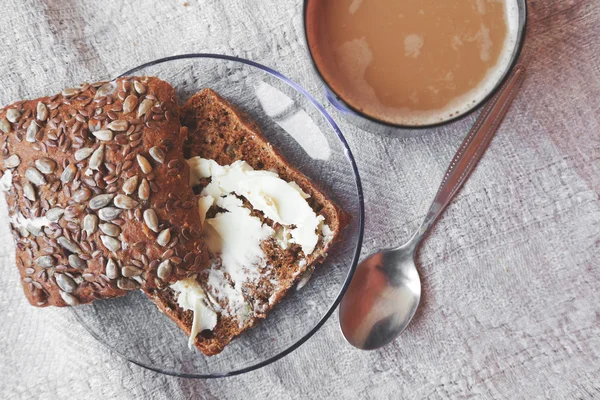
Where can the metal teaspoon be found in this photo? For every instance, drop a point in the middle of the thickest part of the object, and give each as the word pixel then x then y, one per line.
pixel 386 289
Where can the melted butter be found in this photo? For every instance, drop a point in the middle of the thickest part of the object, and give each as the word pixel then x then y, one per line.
pixel 6 181
pixel 204 203
pixel 28 225
pixel 234 236
pixel 280 201
pixel 240 237
pixel 192 297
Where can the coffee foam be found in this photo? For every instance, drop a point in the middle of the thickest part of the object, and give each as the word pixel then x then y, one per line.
pixel 361 56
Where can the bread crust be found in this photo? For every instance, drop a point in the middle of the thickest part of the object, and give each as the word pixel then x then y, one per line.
pixel 66 262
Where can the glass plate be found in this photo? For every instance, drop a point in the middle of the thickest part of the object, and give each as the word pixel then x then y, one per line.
pixel 297 124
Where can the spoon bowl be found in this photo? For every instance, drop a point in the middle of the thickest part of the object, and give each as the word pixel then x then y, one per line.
pixel 382 282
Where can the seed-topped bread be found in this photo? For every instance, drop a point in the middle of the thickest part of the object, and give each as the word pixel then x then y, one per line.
pixel 240 295
pixel 98 191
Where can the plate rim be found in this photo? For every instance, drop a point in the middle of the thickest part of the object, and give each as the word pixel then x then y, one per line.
pixel 357 252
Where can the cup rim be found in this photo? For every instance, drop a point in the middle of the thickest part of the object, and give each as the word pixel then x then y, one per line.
pixel 521 33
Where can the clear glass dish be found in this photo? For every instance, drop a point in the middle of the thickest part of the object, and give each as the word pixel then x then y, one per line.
pixel 297 124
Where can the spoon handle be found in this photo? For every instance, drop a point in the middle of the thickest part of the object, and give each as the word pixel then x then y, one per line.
pixel 472 148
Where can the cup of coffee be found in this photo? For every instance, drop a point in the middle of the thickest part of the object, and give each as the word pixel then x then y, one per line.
pixel 391 64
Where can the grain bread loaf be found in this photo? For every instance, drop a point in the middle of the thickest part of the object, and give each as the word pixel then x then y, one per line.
pixel 97 191
pixel 221 133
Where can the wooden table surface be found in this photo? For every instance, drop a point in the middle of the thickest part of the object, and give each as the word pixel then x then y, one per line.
pixel 511 306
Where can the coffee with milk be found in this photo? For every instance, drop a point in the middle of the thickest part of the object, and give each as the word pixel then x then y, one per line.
pixel 412 62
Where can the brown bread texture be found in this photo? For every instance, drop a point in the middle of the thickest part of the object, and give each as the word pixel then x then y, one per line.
pixel 218 131
pixel 122 141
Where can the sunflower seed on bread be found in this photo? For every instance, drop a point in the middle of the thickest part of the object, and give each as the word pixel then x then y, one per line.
pixel 68 168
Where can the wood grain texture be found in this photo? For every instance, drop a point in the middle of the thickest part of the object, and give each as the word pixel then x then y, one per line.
pixel 511 306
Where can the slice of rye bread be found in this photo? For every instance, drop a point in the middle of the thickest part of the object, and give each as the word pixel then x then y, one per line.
pixel 64 151
pixel 218 131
